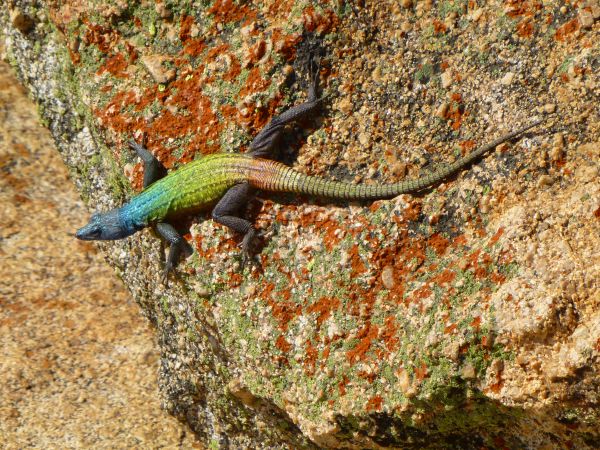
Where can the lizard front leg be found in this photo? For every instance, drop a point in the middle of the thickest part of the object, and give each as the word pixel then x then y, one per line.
pixel 153 168
pixel 227 212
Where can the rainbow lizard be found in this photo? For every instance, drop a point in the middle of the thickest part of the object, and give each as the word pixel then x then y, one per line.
pixel 226 182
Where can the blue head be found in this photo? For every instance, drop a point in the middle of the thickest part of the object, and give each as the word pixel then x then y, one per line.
pixel 106 226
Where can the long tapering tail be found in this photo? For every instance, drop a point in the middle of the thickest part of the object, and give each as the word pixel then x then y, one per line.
pixel 274 176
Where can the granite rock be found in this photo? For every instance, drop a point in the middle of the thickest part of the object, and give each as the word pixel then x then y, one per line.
pixel 483 329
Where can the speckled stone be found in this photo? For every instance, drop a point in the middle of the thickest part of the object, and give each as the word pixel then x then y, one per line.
pixel 78 363
pixel 485 335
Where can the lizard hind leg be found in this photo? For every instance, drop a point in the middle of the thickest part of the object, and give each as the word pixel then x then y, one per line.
pixel 178 246
pixel 227 212
pixel 153 168
pixel 266 140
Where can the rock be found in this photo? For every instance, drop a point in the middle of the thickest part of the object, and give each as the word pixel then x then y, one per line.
pixel 155 64
pixel 558 141
pixel 364 139
pixel 468 372
pixel 345 105
pixel 586 19
pixel 545 180
pixel 398 169
pixel 387 277
pixel 238 390
pixel 323 351
pixel 556 154
pixel 507 79
pixel 163 11
pixel 476 15
pixel 446 79
pixel 442 110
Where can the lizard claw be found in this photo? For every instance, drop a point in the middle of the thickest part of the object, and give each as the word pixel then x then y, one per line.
pixel 135 146
pixel 246 246
pixel 314 67
pixel 248 260
pixel 165 278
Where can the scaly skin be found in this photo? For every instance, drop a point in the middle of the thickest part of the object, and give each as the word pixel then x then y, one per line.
pixel 200 184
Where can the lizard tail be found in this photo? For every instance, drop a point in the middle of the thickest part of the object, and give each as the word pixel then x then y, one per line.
pixel 274 176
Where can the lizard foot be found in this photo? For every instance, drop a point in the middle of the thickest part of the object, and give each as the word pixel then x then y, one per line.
pixel 314 69
pixel 247 246
pixel 165 278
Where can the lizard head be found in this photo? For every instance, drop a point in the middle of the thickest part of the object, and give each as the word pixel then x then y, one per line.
pixel 106 226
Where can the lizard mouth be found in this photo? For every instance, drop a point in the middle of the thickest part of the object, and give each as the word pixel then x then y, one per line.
pixel 89 232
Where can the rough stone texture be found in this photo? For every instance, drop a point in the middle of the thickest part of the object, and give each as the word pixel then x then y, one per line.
pixel 77 362
pixel 466 316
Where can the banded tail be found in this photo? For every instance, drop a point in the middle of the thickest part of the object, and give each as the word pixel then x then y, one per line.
pixel 273 176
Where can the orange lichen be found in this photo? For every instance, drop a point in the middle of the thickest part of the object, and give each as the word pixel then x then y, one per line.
pixel 225 11
pixel 456 111
pixel 413 210
pixel 194 47
pixel 517 8
pixel 438 242
pixel 439 27
pixel 321 23
pixel 282 344
pixel 497 386
pixel 185 27
pixel 254 83
pixel 388 334
pixel 323 308
pixel 285 44
pixel 497 236
pixel 235 280
pixel 460 240
pixel 467 145
pixel 342 385
pixel 447 276
pixel 310 359
pixel 450 328
pixel 257 51
pixel 281 8
pixel 283 309
pixel 421 372
pixel 422 293
pixel 566 30
pixel 375 403
pixel 525 28
pixel 103 38
pixel 367 334
pixel 368 376
pixel 356 262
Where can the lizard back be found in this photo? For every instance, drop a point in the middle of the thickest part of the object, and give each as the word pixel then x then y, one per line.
pixel 200 184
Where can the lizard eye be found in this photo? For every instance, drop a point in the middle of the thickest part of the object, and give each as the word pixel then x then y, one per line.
pixel 95 232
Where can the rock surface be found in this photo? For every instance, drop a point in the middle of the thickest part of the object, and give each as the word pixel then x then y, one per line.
pixel 466 316
pixel 77 362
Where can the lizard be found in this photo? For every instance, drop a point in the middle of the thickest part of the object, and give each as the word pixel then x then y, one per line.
pixel 226 182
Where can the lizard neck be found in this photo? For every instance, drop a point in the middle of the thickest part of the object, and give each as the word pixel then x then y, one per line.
pixel 133 217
